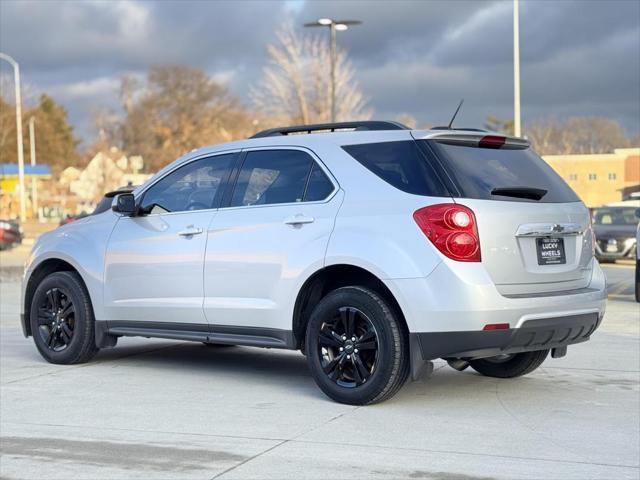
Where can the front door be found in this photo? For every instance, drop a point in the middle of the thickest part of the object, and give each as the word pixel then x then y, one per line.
pixel 154 261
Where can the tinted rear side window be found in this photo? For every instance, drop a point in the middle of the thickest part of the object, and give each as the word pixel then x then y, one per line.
pixel 477 171
pixel 319 186
pixel 400 164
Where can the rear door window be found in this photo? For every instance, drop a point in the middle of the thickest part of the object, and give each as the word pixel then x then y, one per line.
pixel 272 176
pixel 476 172
pixel 400 164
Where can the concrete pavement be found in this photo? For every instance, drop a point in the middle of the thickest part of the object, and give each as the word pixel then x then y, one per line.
pixel 163 409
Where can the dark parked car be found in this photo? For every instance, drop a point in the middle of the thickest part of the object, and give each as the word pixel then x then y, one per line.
pixel 615 229
pixel 102 206
pixel 72 218
pixel 10 233
pixel 107 200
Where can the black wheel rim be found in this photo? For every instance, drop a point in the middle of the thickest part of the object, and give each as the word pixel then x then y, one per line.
pixel 56 319
pixel 348 347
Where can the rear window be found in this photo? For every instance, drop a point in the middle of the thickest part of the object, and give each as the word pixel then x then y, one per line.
pixel 477 171
pixel 400 164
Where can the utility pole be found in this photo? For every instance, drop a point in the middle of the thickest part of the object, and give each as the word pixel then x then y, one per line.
pixel 16 77
pixel 32 155
pixel 332 54
pixel 517 129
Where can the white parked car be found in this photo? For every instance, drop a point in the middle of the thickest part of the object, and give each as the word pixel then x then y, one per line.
pixel 372 249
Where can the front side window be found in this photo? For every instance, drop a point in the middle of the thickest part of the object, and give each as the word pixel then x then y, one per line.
pixel 270 177
pixel 195 186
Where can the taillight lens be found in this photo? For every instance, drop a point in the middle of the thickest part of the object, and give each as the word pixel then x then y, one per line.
pixel 452 229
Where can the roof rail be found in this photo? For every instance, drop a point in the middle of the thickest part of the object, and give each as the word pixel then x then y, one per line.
pixel 332 127
pixel 460 128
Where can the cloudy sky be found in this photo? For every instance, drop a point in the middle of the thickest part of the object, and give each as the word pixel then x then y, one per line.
pixel 579 57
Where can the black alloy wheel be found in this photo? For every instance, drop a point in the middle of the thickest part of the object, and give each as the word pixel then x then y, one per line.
pixel 62 321
pixel 56 319
pixel 348 347
pixel 357 346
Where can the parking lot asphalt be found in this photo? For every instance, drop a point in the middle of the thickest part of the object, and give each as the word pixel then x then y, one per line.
pixel 163 409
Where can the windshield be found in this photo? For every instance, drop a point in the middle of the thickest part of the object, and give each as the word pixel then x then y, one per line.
pixel 614 216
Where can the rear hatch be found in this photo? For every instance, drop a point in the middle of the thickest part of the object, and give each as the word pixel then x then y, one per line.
pixel 535 233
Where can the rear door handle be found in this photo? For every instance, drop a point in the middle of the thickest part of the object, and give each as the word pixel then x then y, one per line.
pixel 299 219
pixel 190 231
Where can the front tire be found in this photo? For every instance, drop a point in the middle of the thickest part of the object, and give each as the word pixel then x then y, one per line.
pixel 509 366
pixel 357 348
pixel 62 321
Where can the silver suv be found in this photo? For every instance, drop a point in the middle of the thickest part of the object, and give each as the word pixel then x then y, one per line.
pixel 370 247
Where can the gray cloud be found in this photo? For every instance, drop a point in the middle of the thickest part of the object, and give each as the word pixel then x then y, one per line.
pixel 419 57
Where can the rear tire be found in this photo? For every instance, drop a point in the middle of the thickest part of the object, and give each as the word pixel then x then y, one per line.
pixel 514 366
pixel 356 347
pixel 62 321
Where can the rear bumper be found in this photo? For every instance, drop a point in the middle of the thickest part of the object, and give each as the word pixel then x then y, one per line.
pixel 463 298
pixel 540 334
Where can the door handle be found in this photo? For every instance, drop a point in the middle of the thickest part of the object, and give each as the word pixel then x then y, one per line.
pixel 190 231
pixel 299 219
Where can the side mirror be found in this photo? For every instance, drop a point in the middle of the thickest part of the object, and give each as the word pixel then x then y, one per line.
pixel 124 203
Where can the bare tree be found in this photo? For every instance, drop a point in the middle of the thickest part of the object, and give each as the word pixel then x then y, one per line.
pixel 576 135
pixel 495 124
pixel 408 120
pixel 295 85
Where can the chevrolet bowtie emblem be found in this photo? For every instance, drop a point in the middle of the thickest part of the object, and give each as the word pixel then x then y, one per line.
pixel 557 228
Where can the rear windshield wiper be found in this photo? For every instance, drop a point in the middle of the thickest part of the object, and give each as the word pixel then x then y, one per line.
pixel 520 192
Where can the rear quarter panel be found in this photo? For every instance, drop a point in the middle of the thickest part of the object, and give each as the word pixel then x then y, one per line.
pixel 374 228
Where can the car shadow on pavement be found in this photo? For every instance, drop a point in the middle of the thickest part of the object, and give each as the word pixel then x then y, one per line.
pixel 194 359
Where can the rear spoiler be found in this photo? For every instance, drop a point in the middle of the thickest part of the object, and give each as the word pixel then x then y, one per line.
pixel 479 140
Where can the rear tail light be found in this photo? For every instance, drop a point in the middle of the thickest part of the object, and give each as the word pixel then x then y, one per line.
pixel 452 229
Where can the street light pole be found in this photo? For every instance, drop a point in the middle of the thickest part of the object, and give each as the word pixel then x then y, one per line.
pixel 16 76
pixel 332 54
pixel 516 69
pixel 32 155
pixel 334 26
